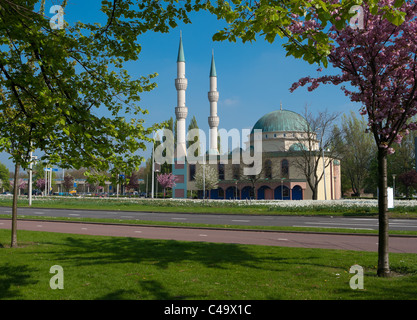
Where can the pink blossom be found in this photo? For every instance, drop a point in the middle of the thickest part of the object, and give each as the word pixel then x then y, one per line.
pixel 379 63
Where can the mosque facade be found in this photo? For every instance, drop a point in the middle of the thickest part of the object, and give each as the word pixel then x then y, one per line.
pixel 284 144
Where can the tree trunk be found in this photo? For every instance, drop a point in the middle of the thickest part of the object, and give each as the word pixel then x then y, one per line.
pixel 383 258
pixel 314 191
pixel 14 206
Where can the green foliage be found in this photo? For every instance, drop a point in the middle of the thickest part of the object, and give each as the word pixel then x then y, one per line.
pixel 248 19
pixel 58 85
pixel 4 176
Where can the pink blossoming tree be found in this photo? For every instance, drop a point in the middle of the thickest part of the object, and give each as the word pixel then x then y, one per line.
pixel 40 184
pixel 166 180
pixel 379 61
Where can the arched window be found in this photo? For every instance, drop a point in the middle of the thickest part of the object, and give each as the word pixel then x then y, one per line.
pixel 284 168
pixel 221 171
pixel 268 169
pixel 236 171
pixel 192 172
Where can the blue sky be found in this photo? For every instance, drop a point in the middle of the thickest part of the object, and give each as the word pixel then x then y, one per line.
pixel 253 78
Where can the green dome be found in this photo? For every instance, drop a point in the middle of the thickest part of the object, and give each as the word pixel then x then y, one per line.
pixel 281 120
pixel 297 147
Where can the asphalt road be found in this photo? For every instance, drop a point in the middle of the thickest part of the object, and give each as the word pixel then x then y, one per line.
pixel 360 223
pixel 270 238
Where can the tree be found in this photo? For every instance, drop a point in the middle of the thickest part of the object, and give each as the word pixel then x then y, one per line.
pixel 21 185
pixel 40 184
pixel 166 180
pixel 206 178
pixel 356 149
pixel 379 61
pixel 314 150
pixel 132 181
pixel 68 182
pixel 403 160
pixel 409 180
pixel 53 82
pixel 246 19
pixel 193 125
pixel 266 172
pixel 4 177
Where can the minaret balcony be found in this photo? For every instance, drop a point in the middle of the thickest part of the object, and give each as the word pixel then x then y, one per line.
pixel 213 96
pixel 213 121
pixel 181 112
pixel 181 83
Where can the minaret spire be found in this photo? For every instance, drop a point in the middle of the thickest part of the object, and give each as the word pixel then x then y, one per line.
pixel 181 56
pixel 181 110
pixel 213 97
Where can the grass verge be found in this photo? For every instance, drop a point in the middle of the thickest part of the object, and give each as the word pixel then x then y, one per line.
pixel 97 267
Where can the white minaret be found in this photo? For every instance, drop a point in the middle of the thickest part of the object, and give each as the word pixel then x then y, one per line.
pixel 213 97
pixel 181 110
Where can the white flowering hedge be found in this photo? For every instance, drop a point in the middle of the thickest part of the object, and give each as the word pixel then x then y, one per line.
pixel 363 205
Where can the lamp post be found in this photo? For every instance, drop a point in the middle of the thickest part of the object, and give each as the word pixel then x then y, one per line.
pixel 153 170
pixel 32 157
pixel 324 176
pixel 282 188
pixel 204 179
pixel 393 179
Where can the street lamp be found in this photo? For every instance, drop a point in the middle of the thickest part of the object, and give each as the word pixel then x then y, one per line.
pixel 324 176
pixel 393 178
pixel 32 157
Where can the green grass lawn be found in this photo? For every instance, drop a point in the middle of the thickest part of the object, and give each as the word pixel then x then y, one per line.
pixel 97 267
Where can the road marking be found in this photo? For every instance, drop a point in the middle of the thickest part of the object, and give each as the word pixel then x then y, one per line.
pixel 39 226
pixel 83 228
pixel 126 216
pixel 74 214
pixel 179 218
pixel 241 220
pixel 342 224
pixel 38 212
pixel 8 211
pixel 282 239
pixel 203 235
pixel 137 231
pixel 331 227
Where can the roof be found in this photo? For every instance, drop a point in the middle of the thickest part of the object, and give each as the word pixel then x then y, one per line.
pixel 181 57
pixel 213 72
pixel 281 121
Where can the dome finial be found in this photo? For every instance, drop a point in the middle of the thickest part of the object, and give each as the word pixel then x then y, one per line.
pixel 280 105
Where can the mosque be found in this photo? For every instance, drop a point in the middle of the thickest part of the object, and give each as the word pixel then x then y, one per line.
pixel 284 138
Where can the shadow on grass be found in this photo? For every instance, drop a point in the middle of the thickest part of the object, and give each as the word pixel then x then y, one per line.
pixel 159 253
pixel 14 276
pixel 169 257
